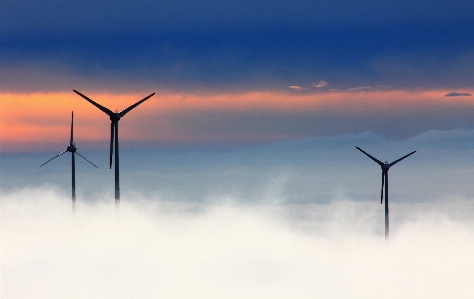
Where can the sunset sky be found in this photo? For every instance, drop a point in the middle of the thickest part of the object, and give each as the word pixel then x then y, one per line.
pixel 239 177
pixel 234 71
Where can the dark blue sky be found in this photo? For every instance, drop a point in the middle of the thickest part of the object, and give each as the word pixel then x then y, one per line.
pixel 195 45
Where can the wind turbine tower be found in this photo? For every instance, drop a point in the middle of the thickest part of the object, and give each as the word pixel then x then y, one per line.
pixel 385 167
pixel 73 150
pixel 114 118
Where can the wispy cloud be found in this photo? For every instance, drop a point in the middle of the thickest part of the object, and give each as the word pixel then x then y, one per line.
pixel 362 88
pixel 297 88
pixel 458 94
pixel 320 84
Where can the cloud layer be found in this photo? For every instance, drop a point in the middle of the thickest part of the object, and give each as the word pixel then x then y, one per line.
pixel 297 218
pixel 158 249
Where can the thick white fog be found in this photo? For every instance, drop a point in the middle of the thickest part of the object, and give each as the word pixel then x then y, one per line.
pixel 158 249
pixel 296 219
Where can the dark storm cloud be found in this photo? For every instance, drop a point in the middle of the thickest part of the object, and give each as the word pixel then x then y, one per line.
pixel 104 45
pixel 458 94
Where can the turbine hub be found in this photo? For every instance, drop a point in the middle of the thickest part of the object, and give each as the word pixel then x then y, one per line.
pixel 71 148
pixel 115 117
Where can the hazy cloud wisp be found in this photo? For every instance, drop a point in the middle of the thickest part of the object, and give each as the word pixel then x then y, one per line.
pixel 458 94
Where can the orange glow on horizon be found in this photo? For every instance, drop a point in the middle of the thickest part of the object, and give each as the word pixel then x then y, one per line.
pixel 46 117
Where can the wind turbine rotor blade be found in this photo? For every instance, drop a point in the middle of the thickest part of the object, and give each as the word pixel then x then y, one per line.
pixel 87 160
pixel 135 105
pixel 376 160
pixel 105 110
pixel 396 161
pixel 72 126
pixel 381 192
pixel 111 142
pixel 53 158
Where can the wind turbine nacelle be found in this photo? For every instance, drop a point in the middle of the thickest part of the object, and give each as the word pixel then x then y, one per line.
pixel 115 117
pixel 71 148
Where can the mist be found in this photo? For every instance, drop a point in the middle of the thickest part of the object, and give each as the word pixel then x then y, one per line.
pixel 294 219
pixel 311 170
pixel 161 249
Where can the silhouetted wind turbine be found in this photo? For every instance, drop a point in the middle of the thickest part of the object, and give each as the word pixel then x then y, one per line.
pixel 385 167
pixel 73 150
pixel 114 117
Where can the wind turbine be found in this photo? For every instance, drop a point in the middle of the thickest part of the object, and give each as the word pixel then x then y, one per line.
pixel 73 150
pixel 385 167
pixel 114 118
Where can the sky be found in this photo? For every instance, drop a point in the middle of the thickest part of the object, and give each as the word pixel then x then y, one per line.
pixel 234 72
pixel 239 177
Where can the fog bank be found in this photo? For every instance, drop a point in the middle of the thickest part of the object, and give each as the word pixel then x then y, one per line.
pixel 155 248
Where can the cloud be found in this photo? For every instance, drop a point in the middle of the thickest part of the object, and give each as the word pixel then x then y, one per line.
pixel 362 88
pixel 320 84
pixel 297 88
pixel 458 94
pixel 156 249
